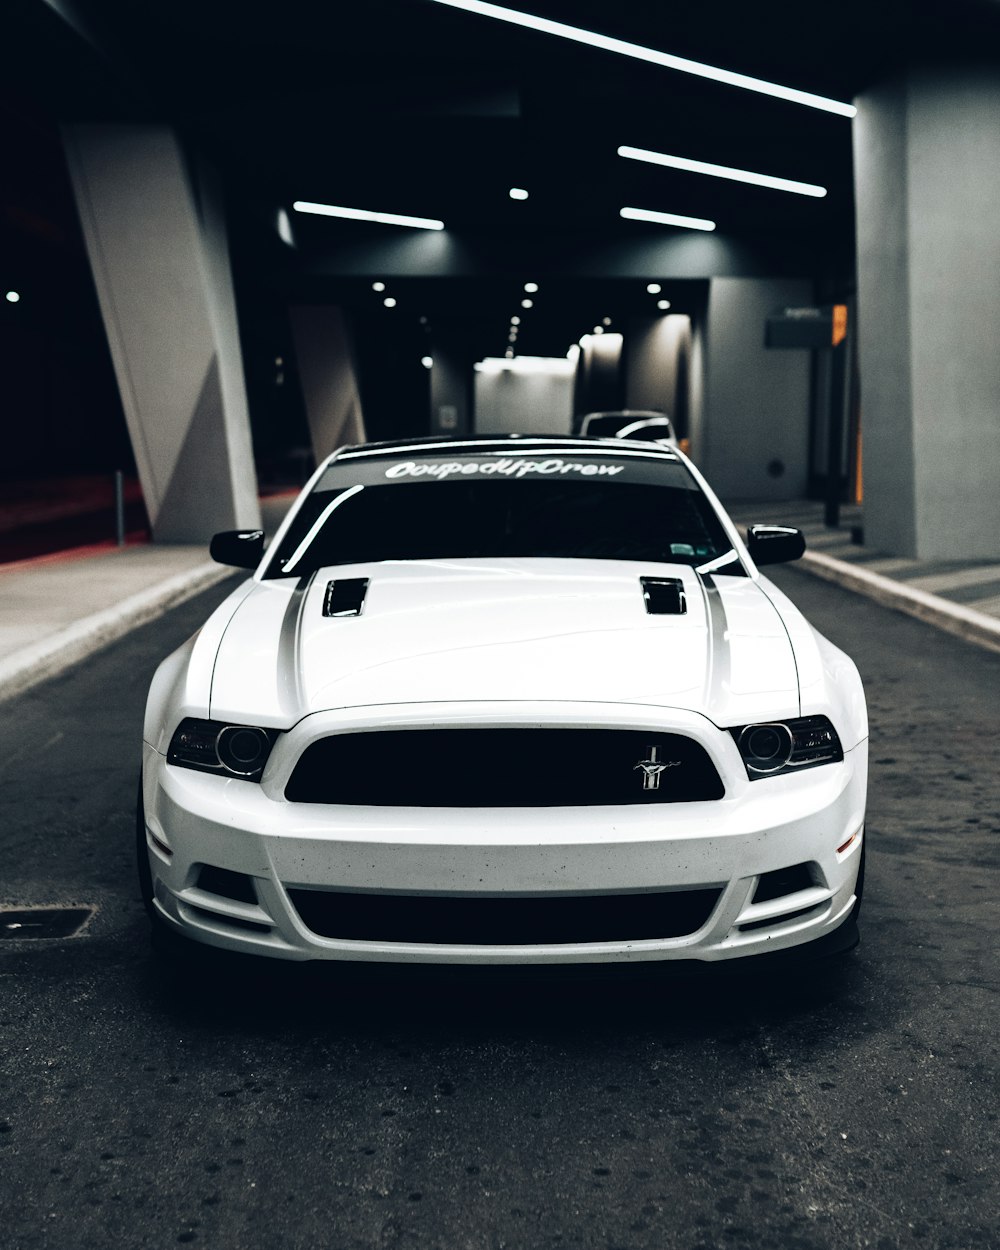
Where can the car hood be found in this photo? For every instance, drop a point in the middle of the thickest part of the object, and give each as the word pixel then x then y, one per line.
pixel 502 630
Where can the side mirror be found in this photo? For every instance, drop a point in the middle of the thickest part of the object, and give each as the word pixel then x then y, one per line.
pixel 242 548
pixel 774 544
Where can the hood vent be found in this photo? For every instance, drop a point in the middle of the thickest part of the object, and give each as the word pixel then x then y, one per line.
pixel 664 596
pixel 345 597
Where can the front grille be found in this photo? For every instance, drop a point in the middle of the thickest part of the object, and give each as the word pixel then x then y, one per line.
pixel 504 768
pixel 503 921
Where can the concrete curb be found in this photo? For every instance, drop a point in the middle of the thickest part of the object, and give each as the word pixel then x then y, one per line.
pixel 30 665
pixel 967 623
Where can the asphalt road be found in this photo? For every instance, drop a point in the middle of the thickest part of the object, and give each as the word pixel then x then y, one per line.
pixel 854 1105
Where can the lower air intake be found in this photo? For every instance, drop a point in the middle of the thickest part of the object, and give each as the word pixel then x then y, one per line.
pixel 504 768
pixel 503 921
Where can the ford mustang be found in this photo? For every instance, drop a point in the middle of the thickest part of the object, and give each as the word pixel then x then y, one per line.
pixel 506 701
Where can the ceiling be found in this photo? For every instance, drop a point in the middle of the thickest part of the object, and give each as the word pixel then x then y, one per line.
pixel 409 106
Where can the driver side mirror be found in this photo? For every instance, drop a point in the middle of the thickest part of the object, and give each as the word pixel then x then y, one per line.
pixel 774 544
pixel 241 548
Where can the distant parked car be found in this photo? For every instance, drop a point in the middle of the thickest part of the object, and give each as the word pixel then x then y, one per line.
pixel 505 701
pixel 631 423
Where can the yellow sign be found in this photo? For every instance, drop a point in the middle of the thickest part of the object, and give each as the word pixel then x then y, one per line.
pixel 839 323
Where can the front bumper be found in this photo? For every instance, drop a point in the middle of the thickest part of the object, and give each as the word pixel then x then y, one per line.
pixel 194 819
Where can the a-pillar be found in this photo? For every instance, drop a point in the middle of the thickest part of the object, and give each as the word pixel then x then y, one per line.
pixel 158 250
pixel 927 183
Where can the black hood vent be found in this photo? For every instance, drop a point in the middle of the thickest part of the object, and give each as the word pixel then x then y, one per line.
pixel 345 597
pixel 664 596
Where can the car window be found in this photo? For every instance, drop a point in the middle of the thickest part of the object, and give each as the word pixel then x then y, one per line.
pixel 359 514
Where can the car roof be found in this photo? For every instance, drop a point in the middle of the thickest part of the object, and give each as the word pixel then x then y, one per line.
pixel 491 443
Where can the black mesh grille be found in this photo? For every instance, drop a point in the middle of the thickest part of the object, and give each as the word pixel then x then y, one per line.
pixel 503 921
pixel 504 768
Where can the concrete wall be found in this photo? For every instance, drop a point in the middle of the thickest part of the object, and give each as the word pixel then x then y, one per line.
pixel 754 420
pixel 509 401
pixel 328 378
pixel 161 268
pixel 927 171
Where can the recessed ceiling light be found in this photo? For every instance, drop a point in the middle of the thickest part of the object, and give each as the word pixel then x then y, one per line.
pixel 652 55
pixel 531 287
pixel 517 193
pixel 606 321
pixel 598 329
pixel 12 297
pixel 722 171
pixel 515 321
pixel 667 219
pixel 509 353
pixel 378 286
pixel 427 361
pixel 663 303
pixel 527 303
pixel 389 302
pixel 654 288
pixel 363 214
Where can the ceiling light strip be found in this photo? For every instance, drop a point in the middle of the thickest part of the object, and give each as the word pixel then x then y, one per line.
pixel 363 214
pixel 667 219
pixel 652 55
pixel 722 171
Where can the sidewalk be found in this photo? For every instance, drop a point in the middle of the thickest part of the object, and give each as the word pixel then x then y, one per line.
pixel 960 596
pixel 56 610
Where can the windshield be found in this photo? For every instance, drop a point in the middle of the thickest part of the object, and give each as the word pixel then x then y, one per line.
pixel 577 507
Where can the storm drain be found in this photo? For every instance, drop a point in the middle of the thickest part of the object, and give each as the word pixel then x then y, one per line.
pixel 23 923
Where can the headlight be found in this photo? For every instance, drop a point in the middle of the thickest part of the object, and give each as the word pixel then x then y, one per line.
pixel 212 746
pixel 773 747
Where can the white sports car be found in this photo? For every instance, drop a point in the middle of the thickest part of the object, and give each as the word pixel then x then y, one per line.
pixel 506 701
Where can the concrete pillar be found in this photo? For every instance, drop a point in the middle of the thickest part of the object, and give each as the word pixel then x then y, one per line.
pixel 657 367
pixel 328 377
pixel 599 383
pixel 751 437
pixel 160 261
pixel 927 183
pixel 451 382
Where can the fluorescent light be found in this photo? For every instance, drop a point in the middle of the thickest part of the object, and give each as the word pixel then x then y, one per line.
pixel 667 219
pixel 663 303
pixel 722 171
pixel 531 287
pixel 389 302
pixel 517 193
pixel 378 286
pixel 427 362
pixel 527 303
pixel 652 55
pixel 363 214
pixel 654 288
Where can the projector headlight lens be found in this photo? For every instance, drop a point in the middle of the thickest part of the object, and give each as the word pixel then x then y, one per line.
pixel 228 750
pixel 774 747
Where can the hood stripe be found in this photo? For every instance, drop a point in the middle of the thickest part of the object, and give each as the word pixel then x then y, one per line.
pixel 718 673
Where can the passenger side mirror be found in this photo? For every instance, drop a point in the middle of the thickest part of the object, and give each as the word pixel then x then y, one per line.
pixel 242 548
pixel 774 544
